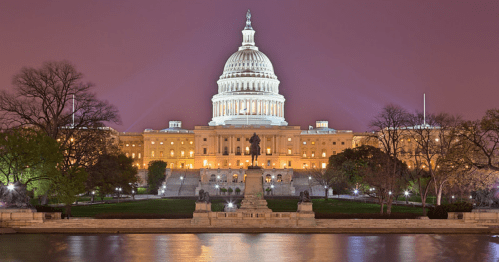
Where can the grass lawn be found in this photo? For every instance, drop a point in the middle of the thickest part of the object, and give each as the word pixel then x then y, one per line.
pixel 186 207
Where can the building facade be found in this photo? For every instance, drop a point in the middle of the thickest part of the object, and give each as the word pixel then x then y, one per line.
pixel 247 102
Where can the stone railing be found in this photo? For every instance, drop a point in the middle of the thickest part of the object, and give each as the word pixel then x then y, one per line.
pixel 25 217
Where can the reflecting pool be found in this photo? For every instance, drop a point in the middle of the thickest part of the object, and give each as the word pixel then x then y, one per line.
pixel 248 247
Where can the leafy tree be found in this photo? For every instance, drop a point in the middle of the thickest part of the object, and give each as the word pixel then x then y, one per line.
pixel 111 171
pixel 155 175
pixel 28 156
pixel 331 177
pixel 374 167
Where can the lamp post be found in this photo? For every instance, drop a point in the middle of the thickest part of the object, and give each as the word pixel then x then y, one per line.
pixel 272 188
pixel 93 196
pixel 406 193
pixel 118 190
pixel 356 192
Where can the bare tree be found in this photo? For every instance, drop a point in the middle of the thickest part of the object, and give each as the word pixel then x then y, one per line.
pixel 437 145
pixel 54 99
pixel 327 177
pixel 483 134
pixel 389 127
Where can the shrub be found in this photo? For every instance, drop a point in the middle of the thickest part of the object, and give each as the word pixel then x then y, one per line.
pixel 268 189
pixel 437 212
pixel 458 207
pixel 238 190
pixel 230 190
pixel 223 189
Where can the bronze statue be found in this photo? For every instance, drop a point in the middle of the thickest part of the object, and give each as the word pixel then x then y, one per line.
pixel 204 196
pixel 304 196
pixel 255 148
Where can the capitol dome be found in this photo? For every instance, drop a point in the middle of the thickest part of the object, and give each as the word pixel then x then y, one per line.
pixel 248 89
pixel 249 62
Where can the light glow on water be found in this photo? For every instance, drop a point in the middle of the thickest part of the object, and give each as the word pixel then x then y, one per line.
pixel 248 247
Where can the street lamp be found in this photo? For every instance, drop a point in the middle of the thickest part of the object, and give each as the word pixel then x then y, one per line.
pixel 10 187
pixel 356 192
pixel 406 193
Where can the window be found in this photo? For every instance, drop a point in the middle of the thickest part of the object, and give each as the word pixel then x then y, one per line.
pixel 238 162
pixel 140 155
pixel 171 143
pixel 323 165
pixel 226 151
pixel 213 178
pixel 205 162
pixel 191 153
pixel 269 152
pixel 279 178
pixel 334 152
pixel 324 153
pixel 343 143
pixel 152 142
pixel 234 178
pixel 190 142
pixel 289 139
pixel 313 154
pixel 304 142
pixel 160 153
pixel 268 179
pixel 238 139
pixel 247 150
pixel 182 142
pixel 182 154
pixel 334 143
pixel 225 139
pixel 204 139
pixel 268 139
pixel 160 143
pixel 247 139
pixel 304 154
pixel 127 144
pixel 289 151
pixel 152 153
pixel 133 145
pixel 204 150
pixel 126 154
pixel 172 152
pixel 313 142
pixel 181 165
pixel 289 163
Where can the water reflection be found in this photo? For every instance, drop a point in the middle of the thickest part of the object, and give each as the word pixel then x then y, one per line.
pixel 248 247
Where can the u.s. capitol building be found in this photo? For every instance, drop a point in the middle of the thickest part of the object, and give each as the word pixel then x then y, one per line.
pixel 216 156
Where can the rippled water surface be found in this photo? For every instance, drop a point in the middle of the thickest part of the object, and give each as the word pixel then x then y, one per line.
pixel 248 247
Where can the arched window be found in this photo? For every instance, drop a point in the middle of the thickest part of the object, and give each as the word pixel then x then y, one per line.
pixel 268 179
pixel 234 178
pixel 279 178
pixel 213 178
pixel 238 150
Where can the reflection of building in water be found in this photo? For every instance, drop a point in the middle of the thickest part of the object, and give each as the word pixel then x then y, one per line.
pixel 248 101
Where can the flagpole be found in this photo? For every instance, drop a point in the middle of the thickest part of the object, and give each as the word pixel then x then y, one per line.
pixel 73 110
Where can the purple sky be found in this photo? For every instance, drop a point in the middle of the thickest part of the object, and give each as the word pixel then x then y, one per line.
pixel 340 61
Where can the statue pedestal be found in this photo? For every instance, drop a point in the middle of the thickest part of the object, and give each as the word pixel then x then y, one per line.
pixel 201 215
pixel 253 192
pixel 305 214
